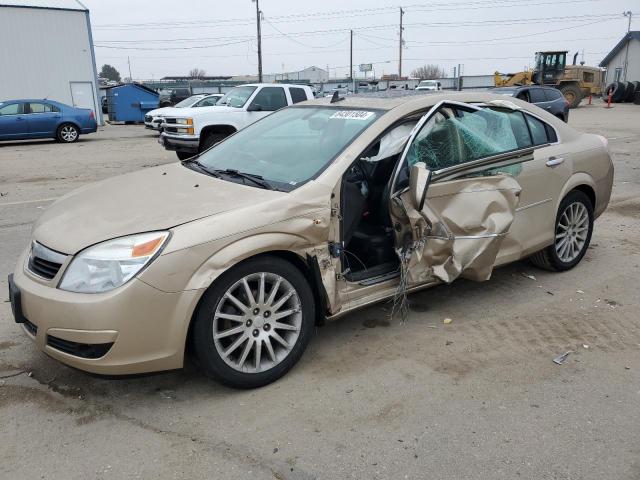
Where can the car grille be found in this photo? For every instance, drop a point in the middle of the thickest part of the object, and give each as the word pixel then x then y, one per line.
pixel 45 262
pixel 83 350
pixel 148 118
pixel 31 328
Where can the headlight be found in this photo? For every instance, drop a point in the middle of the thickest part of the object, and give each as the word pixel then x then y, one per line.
pixel 184 121
pixel 111 264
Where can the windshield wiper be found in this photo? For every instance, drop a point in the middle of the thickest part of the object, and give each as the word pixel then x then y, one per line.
pixel 200 167
pixel 256 179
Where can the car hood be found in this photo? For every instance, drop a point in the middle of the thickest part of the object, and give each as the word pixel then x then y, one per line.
pixel 158 198
pixel 197 111
pixel 165 111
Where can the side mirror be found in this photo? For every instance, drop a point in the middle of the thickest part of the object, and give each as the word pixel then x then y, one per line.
pixel 254 107
pixel 419 180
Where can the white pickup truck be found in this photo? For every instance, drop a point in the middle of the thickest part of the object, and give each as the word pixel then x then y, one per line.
pixel 194 130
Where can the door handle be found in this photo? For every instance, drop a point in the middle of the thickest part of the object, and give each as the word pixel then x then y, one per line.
pixel 554 161
pixel 19 118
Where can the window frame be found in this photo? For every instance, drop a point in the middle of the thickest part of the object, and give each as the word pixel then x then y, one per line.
pixel 52 108
pixel 534 91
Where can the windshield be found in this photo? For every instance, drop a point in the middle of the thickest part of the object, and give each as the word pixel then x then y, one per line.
pixel 290 146
pixel 428 83
pixel 187 102
pixel 237 97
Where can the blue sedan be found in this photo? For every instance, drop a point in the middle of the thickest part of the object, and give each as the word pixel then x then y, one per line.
pixel 28 119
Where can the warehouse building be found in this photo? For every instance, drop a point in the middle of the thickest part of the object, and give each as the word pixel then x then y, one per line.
pixel 625 54
pixel 47 52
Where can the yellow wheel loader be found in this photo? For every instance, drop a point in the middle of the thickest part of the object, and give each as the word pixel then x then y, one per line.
pixel 574 81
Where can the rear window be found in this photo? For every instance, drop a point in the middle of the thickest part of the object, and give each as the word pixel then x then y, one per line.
pixel 552 94
pixel 297 95
pixel 538 130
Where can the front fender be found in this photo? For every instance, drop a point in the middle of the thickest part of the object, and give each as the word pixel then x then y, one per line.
pixel 240 250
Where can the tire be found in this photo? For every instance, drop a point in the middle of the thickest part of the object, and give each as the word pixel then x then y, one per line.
pixel 629 92
pixel 636 98
pixel 210 140
pixel 636 84
pixel 247 365
pixel 572 94
pixel 555 257
pixel 184 155
pixel 67 133
pixel 619 93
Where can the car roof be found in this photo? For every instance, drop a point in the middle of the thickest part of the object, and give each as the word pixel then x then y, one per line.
pixel 34 100
pixel 273 85
pixel 410 98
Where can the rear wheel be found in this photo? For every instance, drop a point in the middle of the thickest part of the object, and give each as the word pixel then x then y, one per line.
pixel 573 229
pixel 67 133
pixel 254 323
pixel 572 94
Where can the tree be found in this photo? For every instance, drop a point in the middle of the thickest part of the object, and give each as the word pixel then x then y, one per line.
pixel 110 73
pixel 197 73
pixel 429 72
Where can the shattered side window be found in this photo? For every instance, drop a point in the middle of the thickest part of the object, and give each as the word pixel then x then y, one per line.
pixel 463 136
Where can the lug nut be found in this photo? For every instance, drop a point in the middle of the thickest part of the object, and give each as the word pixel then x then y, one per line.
pixel 267 327
pixel 256 311
pixel 256 332
pixel 249 323
pixel 266 314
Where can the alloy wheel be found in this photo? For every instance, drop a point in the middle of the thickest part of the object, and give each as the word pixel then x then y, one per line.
pixel 68 133
pixel 572 231
pixel 257 322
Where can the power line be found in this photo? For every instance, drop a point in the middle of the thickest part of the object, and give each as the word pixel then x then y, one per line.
pixel 331 15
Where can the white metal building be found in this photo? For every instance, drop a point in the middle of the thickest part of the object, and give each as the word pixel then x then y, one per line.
pixel 46 51
pixel 625 53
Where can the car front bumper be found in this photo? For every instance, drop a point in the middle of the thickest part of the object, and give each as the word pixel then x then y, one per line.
pixel 179 143
pixel 135 328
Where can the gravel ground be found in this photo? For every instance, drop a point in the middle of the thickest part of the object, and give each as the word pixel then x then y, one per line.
pixel 478 398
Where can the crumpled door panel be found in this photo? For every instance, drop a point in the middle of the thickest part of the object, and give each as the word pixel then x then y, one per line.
pixel 460 230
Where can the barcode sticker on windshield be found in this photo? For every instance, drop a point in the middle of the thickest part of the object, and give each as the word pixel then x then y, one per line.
pixel 352 115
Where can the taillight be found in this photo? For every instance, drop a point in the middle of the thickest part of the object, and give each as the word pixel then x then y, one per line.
pixel 91 115
pixel 604 141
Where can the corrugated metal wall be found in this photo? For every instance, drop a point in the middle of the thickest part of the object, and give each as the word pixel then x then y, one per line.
pixel 42 51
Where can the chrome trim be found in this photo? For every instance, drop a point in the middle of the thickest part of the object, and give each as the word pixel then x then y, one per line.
pixel 47 254
pixel 477 237
pixel 535 204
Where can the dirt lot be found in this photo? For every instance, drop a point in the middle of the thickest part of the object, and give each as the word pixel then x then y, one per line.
pixel 372 398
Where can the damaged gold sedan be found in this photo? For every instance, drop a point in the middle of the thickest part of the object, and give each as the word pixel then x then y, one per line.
pixel 310 213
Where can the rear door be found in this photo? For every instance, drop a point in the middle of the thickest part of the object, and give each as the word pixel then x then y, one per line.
pixel 457 230
pixel 43 118
pixel 13 121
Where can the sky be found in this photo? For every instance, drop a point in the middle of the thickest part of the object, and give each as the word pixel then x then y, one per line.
pixel 165 37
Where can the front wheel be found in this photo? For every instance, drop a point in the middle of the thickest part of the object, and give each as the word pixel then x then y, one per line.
pixel 573 229
pixel 67 133
pixel 184 155
pixel 254 323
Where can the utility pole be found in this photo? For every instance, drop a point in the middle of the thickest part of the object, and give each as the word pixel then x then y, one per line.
pixel 258 20
pixel 351 56
pixel 129 63
pixel 400 47
pixel 629 14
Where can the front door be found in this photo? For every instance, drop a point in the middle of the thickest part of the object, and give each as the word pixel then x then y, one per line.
pixel 475 156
